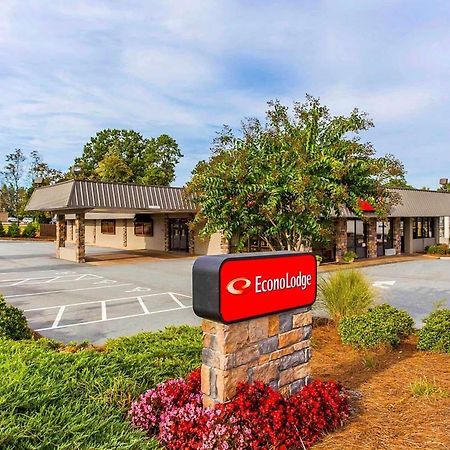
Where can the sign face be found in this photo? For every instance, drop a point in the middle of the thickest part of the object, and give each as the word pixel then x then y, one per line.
pixel 231 288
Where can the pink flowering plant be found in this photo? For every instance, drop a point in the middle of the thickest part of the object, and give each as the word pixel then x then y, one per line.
pixel 258 418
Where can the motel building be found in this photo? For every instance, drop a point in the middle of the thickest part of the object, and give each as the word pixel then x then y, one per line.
pixel 130 217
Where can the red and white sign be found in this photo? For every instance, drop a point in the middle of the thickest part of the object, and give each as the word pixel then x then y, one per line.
pixel 259 286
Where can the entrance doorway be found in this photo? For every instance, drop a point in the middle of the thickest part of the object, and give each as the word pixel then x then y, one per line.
pixel 357 235
pixel 178 235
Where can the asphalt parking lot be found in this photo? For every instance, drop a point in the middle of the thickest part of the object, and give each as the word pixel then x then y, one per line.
pixel 68 301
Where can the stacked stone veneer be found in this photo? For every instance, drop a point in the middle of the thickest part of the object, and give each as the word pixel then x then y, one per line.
pixel 273 349
pixel 341 238
pixel 372 246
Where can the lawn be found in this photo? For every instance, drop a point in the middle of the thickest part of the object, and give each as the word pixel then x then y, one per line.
pixel 78 399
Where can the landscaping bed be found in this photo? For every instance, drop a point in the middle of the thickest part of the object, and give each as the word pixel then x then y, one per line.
pixel 401 396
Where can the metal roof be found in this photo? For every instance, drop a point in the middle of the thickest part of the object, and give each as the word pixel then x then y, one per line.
pixel 83 195
pixel 421 203
pixel 97 196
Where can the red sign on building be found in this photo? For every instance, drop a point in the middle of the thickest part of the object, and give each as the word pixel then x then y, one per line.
pixel 230 288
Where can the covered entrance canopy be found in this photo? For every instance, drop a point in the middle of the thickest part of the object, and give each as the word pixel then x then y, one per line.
pixel 77 198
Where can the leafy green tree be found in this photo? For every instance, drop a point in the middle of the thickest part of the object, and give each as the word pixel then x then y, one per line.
pixel 13 173
pixel 285 180
pixel 39 169
pixel 160 158
pixel 150 160
pixel 113 168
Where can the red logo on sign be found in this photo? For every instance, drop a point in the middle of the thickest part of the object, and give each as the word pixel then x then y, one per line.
pixel 238 285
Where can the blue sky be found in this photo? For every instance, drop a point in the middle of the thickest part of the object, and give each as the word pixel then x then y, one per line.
pixel 70 69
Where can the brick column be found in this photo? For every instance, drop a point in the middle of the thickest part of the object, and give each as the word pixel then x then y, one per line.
pixel 191 235
pixel 166 234
pixel 372 238
pixel 396 235
pixel 341 238
pixel 60 233
pixel 125 233
pixel 94 232
pixel 80 244
pixel 273 349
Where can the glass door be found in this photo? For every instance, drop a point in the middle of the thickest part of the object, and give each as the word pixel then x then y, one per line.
pixel 179 235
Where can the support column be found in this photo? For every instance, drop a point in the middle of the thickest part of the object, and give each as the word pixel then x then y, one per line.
pixel 372 238
pixel 396 235
pixel 341 238
pixel 166 234
pixel 408 231
pixel 60 233
pixel 80 244
pixel 125 233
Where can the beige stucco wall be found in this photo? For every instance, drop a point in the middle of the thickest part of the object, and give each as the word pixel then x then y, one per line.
pixel 208 246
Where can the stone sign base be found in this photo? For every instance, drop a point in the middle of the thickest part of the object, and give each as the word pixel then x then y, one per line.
pixel 273 349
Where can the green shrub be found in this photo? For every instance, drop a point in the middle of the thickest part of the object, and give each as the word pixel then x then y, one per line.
pixel 382 325
pixel 437 249
pixel 435 334
pixel 57 399
pixel 13 324
pixel 2 230
pixel 346 293
pixel 13 230
pixel 349 256
pixel 29 231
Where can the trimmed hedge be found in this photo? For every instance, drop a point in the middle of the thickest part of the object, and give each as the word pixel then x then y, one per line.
pixel 13 324
pixel 435 334
pixel 382 325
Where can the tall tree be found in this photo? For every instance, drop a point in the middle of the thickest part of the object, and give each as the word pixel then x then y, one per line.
pixel 13 174
pixel 40 169
pixel 113 168
pixel 284 181
pixel 151 161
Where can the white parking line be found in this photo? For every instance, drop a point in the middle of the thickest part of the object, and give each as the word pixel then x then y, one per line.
pixel 144 308
pixel 104 316
pixel 65 290
pixel 58 317
pixel 104 304
pixel 94 301
pixel 113 318
pixel 172 296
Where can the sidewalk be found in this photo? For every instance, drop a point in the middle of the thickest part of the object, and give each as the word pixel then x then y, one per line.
pixel 357 264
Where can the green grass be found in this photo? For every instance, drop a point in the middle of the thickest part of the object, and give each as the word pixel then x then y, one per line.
pixel 54 399
pixel 422 387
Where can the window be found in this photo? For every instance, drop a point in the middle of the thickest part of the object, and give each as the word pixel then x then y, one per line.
pixel 423 227
pixel 441 227
pixel 108 227
pixel 143 226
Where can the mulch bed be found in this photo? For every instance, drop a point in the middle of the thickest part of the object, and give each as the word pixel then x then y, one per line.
pixel 386 414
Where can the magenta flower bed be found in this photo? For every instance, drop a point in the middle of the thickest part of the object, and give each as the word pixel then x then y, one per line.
pixel 257 418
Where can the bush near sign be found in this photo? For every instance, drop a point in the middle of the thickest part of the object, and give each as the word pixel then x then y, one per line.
pixel 232 288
